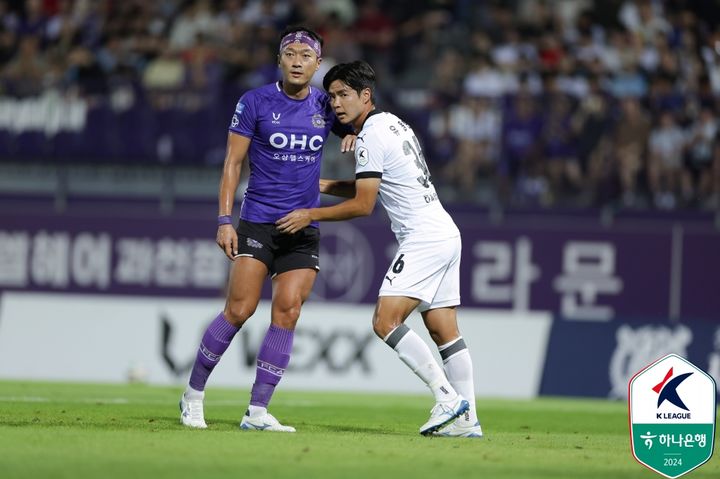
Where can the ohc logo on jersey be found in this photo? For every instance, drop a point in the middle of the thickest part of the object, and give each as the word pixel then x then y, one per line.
pixel 296 142
pixel 672 416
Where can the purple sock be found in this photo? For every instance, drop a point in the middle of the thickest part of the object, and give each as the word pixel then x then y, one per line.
pixel 272 359
pixel 215 341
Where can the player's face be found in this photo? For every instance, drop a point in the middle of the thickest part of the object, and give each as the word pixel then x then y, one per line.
pixel 298 63
pixel 349 105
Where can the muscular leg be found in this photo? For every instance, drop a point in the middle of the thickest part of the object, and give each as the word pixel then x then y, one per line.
pixel 244 289
pixel 442 325
pixel 290 290
pixel 388 323
pixel 391 312
pixel 246 279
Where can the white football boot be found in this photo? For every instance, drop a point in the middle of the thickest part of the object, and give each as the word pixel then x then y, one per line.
pixel 444 412
pixel 461 428
pixel 191 412
pixel 263 422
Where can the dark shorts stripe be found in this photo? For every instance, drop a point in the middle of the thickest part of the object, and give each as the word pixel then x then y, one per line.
pixel 397 335
pixel 458 346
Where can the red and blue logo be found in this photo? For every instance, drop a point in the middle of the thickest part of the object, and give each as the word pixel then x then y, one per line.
pixel 667 390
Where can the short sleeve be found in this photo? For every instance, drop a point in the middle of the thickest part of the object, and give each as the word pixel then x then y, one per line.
pixel 245 116
pixel 369 156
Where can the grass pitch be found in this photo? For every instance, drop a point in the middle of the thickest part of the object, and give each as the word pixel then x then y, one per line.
pixel 78 431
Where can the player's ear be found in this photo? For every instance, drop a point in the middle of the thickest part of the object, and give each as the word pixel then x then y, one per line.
pixel 366 95
pixel 319 61
pixel 278 59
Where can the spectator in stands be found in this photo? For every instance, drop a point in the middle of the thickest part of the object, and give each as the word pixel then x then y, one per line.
pixel 591 123
pixel 34 21
pixel 630 141
pixel 437 54
pixel 8 44
pixel 561 165
pixel 475 125
pixel 713 202
pixel 195 19
pixel 521 134
pixel 701 156
pixel 665 161
pixel 62 26
pixel 25 71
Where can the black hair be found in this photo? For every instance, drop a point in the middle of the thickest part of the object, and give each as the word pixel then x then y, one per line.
pixel 358 75
pixel 299 28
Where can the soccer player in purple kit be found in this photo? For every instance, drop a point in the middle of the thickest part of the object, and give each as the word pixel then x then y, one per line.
pixel 281 127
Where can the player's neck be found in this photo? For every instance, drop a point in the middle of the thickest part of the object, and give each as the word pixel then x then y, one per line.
pixel 296 92
pixel 360 120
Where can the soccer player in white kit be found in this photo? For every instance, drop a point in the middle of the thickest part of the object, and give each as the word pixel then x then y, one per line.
pixel 425 273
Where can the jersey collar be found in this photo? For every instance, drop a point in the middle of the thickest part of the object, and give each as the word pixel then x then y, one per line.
pixel 372 112
pixel 278 85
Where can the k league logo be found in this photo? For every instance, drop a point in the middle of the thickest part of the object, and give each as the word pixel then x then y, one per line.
pixel 672 416
pixel 668 390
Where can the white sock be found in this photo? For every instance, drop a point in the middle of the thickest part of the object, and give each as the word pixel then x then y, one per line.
pixel 191 393
pixel 459 370
pixel 255 411
pixel 417 355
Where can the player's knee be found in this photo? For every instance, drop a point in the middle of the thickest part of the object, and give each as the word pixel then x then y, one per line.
pixel 285 314
pixel 236 313
pixel 442 335
pixel 436 336
pixel 383 325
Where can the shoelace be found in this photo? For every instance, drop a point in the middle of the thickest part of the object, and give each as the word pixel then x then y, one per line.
pixel 196 410
pixel 439 409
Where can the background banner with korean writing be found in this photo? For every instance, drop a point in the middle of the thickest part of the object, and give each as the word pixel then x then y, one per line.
pixel 582 273
pixel 599 359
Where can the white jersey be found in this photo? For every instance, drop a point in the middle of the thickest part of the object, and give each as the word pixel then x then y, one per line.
pixel 387 148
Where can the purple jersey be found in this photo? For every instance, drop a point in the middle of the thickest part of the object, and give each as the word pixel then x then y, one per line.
pixel 286 149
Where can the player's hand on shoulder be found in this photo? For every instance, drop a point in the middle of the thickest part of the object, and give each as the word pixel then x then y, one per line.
pixel 294 221
pixel 227 240
pixel 348 143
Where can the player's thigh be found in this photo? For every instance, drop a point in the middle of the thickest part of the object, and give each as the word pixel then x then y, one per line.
pixel 391 311
pixel 294 270
pixel 247 276
pixel 447 292
pixel 290 290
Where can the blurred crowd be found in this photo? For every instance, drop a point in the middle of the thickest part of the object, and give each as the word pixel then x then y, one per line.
pixel 526 102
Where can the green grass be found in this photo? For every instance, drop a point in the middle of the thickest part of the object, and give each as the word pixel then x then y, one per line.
pixel 78 431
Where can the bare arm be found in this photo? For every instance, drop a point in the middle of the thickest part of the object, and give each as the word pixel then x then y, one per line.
pixel 237 148
pixel 342 188
pixel 362 204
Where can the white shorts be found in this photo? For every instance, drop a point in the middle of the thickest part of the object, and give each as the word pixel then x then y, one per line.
pixel 428 271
